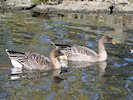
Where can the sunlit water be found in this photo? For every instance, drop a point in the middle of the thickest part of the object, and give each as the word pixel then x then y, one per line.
pixel 111 80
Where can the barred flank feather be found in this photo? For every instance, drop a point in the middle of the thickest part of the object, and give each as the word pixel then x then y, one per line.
pixel 80 53
pixel 29 60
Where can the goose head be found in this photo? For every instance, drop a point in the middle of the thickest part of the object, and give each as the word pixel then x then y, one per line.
pixel 106 39
pixel 102 55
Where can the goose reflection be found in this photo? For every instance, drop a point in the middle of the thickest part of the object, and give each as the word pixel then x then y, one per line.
pixel 76 64
pixel 18 74
pixel 101 71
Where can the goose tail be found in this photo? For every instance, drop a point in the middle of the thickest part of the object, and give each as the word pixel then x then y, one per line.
pixel 14 56
pixel 7 51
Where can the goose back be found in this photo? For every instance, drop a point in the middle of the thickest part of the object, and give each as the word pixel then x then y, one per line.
pixel 78 53
pixel 29 60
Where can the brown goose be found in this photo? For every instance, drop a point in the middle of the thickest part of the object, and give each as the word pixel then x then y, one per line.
pixel 81 53
pixel 29 60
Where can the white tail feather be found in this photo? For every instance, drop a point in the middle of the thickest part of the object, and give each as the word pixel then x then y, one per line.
pixel 6 50
pixel 16 64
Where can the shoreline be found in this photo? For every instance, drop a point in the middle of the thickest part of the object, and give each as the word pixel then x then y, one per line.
pixel 69 6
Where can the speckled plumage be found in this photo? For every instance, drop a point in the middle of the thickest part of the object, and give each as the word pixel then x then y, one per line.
pixel 78 53
pixel 29 60
pixel 81 53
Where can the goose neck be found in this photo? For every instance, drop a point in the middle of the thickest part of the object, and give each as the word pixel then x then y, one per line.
pixel 54 60
pixel 102 52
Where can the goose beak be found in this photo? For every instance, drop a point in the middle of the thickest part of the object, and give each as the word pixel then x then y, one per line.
pixel 113 42
pixel 108 39
pixel 62 57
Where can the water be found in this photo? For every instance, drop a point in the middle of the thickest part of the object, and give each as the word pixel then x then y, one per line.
pixel 109 80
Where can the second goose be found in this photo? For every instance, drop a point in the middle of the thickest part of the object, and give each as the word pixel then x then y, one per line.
pixel 80 53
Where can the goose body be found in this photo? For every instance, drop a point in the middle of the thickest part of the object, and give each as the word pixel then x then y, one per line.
pixel 81 53
pixel 78 53
pixel 29 60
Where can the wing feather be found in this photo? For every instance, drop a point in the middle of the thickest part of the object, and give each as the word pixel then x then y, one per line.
pixel 79 52
pixel 30 60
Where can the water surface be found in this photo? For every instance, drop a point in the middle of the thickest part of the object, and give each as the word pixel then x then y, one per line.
pixel 109 80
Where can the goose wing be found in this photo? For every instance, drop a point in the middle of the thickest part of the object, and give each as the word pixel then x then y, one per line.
pixel 78 52
pixel 29 60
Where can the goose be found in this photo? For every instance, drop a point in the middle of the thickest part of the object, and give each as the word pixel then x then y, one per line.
pixel 30 60
pixel 81 53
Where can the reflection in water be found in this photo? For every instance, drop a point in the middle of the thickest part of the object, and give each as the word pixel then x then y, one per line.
pixel 101 71
pixel 77 64
pixel 32 74
pixel 101 67
pixel 21 32
pixel 17 74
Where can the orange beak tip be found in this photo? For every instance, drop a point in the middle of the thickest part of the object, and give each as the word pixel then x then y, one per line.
pixel 113 43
